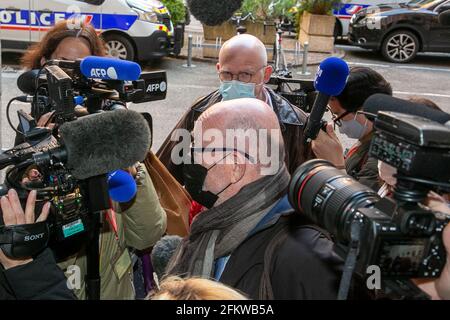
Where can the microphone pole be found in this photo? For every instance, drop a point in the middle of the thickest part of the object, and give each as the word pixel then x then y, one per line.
pixel 98 201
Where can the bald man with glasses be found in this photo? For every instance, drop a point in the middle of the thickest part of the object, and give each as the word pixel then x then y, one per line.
pixel 244 72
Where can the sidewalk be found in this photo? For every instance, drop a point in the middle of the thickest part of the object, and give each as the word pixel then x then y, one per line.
pixel 293 52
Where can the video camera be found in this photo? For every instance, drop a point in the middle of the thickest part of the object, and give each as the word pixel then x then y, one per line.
pixel 301 93
pixel 60 86
pixel 400 236
pixel 96 83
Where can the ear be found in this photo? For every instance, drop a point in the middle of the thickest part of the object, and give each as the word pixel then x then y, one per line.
pixel 218 67
pixel 268 73
pixel 43 60
pixel 238 168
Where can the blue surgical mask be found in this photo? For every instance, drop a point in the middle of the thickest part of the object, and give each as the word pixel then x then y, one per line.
pixel 353 129
pixel 231 90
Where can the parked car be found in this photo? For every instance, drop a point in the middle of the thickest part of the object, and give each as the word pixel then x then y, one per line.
pixel 400 32
pixel 349 8
pixel 132 29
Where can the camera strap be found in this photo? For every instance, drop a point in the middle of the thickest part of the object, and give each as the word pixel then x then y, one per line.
pixel 350 261
pixel 24 241
pixel 111 218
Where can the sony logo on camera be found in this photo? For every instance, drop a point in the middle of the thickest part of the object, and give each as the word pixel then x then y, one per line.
pixel 33 237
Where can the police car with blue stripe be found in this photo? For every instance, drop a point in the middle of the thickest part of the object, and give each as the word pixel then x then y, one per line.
pixel 133 29
pixel 349 8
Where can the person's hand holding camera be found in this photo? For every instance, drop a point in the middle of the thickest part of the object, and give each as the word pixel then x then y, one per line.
pixel 328 147
pixel 13 214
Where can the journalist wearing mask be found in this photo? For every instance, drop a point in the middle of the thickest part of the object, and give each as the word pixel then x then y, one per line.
pixel 134 225
pixel 347 118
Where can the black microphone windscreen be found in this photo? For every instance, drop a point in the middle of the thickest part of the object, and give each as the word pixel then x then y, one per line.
pixel 213 12
pixel 444 18
pixel 100 143
pixel 27 82
pixel 382 102
pixel 162 253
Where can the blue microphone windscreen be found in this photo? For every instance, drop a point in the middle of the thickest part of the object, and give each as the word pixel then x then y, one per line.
pixel 110 69
pixel 332 76
pixel 121 186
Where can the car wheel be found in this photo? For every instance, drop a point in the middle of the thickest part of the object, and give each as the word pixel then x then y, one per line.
pixel 400 46
pixel 118 46
pixel 337 30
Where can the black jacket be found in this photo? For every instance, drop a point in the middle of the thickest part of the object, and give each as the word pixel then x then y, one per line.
pixel 303 266
pixel 40 279
pixel 292 122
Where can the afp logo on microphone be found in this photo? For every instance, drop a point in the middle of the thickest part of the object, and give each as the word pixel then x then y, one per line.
pixel 99 73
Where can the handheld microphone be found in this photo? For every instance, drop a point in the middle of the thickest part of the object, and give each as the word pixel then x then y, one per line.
pixel 98 144
pixel 213 12
pixel 383 102
pixel 330 81
pixel 444 18
pixel 121 186
pixel 110 69
pixel 162 253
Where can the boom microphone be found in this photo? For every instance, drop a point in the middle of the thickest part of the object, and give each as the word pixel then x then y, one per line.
pixel 213 12
pixel 110 69
pixel 100 143
pixel 330 81
pixel 162 253
pixel 382 102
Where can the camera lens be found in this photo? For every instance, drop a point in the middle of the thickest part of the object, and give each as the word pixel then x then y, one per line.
pixel 329 197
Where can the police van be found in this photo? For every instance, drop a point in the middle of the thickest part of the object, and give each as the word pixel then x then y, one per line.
pixel 138 30
pixel 350 7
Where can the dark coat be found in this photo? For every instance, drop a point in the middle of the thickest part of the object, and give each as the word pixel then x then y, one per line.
pixel 303 266
pixel 292 121
pixel 40 279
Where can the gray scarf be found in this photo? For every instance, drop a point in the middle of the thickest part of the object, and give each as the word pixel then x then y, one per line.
pixel 217 232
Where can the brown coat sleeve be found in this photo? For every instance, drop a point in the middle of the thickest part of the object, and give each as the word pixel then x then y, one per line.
pixel 165 151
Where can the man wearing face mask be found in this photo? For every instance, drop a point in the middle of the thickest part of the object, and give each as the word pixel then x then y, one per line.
pixel 243 72
pixel 362 83
pixel 250 238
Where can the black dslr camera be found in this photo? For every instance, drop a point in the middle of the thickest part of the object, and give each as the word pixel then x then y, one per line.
pixel 400 235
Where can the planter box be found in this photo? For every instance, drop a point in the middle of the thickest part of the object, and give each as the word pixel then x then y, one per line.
pixel 323 44
pixel 318 31
pixel 227 30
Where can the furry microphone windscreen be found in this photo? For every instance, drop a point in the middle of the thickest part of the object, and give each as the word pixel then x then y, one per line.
pixel 162 253
pixel 101 143
pixel 213 12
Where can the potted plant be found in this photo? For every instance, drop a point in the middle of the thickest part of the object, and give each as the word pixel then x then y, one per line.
pixel 318 23
pixel 263 12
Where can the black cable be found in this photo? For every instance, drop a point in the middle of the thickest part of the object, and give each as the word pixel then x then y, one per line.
pixel 9 118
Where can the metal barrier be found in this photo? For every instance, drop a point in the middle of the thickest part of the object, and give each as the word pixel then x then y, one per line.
pixel 189 56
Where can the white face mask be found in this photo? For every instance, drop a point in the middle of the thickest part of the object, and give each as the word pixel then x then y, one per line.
pixel 353 128
pixel 387 173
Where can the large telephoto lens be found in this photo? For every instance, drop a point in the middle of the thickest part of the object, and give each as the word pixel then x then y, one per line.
pixel 329 197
